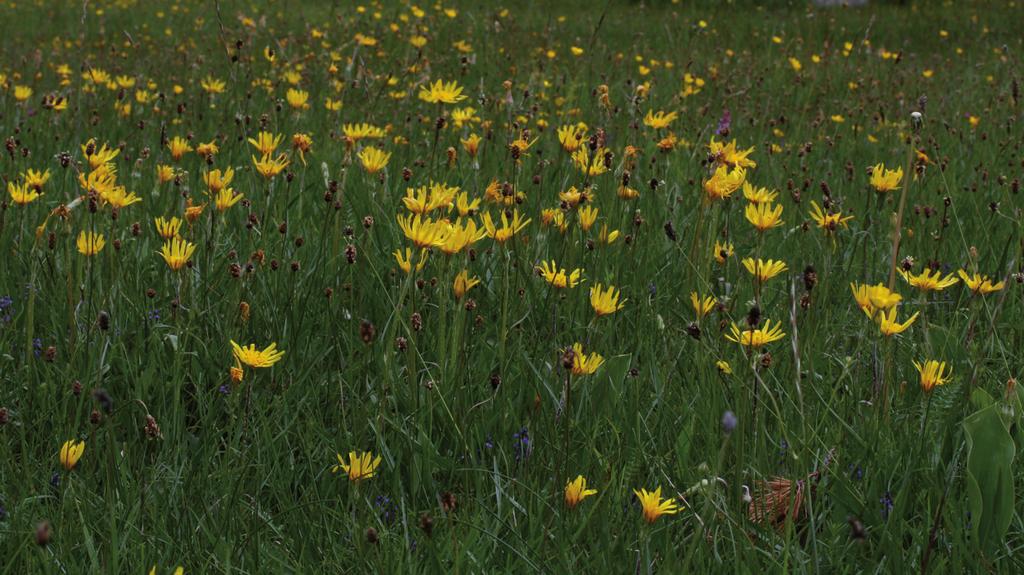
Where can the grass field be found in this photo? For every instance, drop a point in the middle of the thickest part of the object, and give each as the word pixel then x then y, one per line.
pixel 551 267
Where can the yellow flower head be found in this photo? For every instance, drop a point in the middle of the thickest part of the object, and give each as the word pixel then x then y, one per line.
pixel 89 243
pixel 576 491
pixel 442 93
pixel 659 120
pixel 826 221
pixel 587 216
pixel 980 284
pixel 654 506
pixel 756 337
pixel 226 198
pixel 178 146
pixel 373 159
pixel 463 283
pixel 723 183
pixel 35 180
pixel 268 166
pixel 605 302
pixel 424 232
pixel 874 298
pixel 509 227
pixel 471 144
pixel 460 236
pixel 884 180
pixel 764 216
pixel 702 306
pixel 404 260
pixel 571 137
pixel 723 252
pixel 764 270
pixel 889 325
pixel 359 467
pixel 98 155
pixel 757 195
pixel 583 364
pixel 266 143
pixel 729 155
pixel 929 280
pixel 252 357
pixel 70 453
pixel 933 373
pixel 22 194
pixel 297 99
pixel 176 252
pixel 167 228
pixel 216 180
pixel 559 278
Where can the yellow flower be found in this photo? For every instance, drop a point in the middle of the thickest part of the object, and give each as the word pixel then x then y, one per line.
pixel 587 216
pixel 723 367
pixel 269 166
pixel 404 260
pixel 583 364
pixel 884 180
pixel 226 198
pixel 356 132
pixel 424 232
pixel 98 155
pixel 89 243
pixel 266 143
pixel 723 182
pixel 22 194
pixel 207 150
pixel 660 120
pixel 164 173
pixel 757 195
pixel 756 337
pixel 980 284
pixel 874 298
pixel 119 198
pixel 574 196
pixel 192 213
pixel 373 159
pixel 571 137
pixel 176 252
pixel 212 85
pixel 471 144
pixel 933 373
pixel 558 277
pixel 929 280
pixel 297 99
pixel 653 505
pixel 889 325
pixel 359 467
pixel 723 252
pixel 702 306
pixel 465 206
pixel 22 93
pixel 590 167
pixel 605 237
pixel 460 236
pixel 178 571
pixel 827 222
pixel 70 453
pixel 35 180
pixel 764 270
pixel 167 228
pixel 179 147
pixel 442 93
pixel 252 357
pixel 728 155
pixel 764 216
pixel 576 491
pixel 463 283
pixel 464 116
pixel 605 302
pixel 423 200
pixel 302 143
pixel 508 229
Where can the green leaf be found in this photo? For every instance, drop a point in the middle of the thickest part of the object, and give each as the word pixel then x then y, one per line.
pixel 989 478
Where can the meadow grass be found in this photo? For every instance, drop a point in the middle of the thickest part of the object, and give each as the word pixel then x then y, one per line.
pixel 831 448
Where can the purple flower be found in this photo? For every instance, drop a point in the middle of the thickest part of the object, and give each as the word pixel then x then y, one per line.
pixel 887 505
pixel 522 448
pixel 724 123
